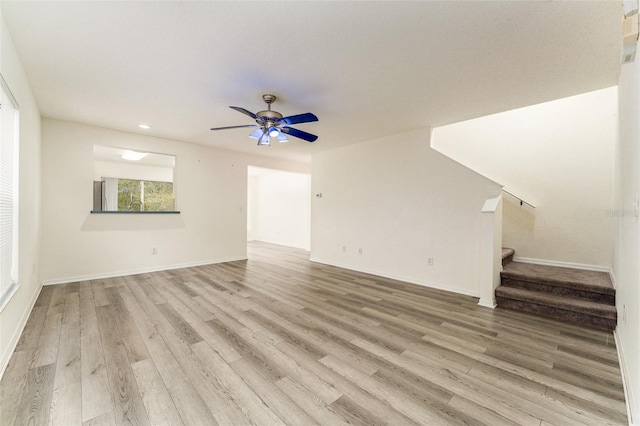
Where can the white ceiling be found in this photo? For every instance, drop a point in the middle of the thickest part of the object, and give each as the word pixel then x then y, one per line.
pixel 366 69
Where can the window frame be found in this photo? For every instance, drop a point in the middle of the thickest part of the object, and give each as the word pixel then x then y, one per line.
pixel 8 288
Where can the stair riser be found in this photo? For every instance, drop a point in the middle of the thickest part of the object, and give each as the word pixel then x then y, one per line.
pixel 507 260
pixel 608 299
pixel 558 314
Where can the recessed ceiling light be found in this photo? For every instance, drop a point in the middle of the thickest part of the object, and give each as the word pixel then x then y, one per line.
pixel 144 126
pixel 133 155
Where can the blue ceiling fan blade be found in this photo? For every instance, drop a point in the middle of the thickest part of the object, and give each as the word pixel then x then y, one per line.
pixel 307 117
pixel 244 111
pixel 299 134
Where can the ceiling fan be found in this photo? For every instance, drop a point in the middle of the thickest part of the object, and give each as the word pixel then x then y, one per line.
pixel 271 124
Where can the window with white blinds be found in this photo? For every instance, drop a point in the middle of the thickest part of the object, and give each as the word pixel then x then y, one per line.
pixel 8 195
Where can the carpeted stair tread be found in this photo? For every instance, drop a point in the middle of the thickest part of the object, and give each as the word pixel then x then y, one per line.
pixel 571 295
pixel 506 252
pixel 565 316
pixel 579 279
pixel 558 302
pixel 507 255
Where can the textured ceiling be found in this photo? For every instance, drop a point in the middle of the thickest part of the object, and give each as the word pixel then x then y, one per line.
pixel 366 69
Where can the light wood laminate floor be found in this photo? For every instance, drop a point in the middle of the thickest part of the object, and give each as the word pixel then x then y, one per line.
pixel 280 340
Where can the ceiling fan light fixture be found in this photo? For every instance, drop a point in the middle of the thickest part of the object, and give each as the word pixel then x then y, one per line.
pixel 256 134
pixel 274 132
pixel 265 139
pixel 282 138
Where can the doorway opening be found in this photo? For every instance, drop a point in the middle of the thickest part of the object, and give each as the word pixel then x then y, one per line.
pixel 279 207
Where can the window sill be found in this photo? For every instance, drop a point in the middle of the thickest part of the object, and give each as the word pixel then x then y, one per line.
pixel 126 212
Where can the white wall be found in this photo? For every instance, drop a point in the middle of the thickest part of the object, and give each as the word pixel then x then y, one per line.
pixel 401 202
pixel 626 254
pixel 122 170
pixel 281 208
pixel 557 155
pixel 211 192
pixel 15 314
pixel 252 184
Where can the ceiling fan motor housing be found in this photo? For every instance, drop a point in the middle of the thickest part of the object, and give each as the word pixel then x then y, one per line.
pixel 267 118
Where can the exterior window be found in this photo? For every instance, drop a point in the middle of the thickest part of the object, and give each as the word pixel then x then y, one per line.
pixel 8 195
pixel 143 195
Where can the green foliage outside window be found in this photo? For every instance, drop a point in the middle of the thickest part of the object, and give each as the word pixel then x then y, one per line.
pixel 141 195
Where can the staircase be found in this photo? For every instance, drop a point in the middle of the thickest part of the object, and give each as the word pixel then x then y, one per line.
pixel 572 295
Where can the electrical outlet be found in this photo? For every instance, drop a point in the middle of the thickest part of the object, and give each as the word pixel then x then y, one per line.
pixel 360 250
pixel 430 261
pixel 154 250
pixel 344 248
pixel 624 313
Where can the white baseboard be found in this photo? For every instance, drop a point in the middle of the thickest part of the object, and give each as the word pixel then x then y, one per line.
pixel 545 262
pixel 487 304
pixel 104 275
pixel 15 338
pixel 633 420
pixel 409 280
pixel 612 277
